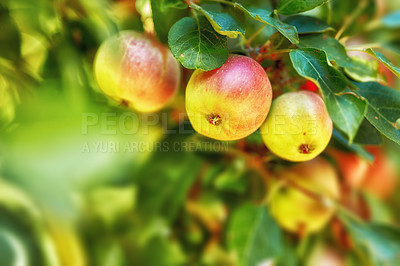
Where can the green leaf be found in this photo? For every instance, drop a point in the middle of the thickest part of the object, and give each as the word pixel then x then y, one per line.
pixel 159 250
pixel 312 63
pixel 222 23
pixel 164 16
pixel 385 61
pixel 378 241
pixel 265 16
pixel 307 24
pixel 383 108
pixel 254 235
pixel 363 70
pixel 392 20
pixel 353 147
pixel 179 4
pixel 290 7
pixel 196 45
pixel 367 134
pixel 333 48
pixel 234 178
pixel 346 110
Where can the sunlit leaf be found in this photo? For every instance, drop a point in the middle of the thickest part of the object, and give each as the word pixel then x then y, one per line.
pixel 363 70
pixel 267 17
pixel 290 7
pixel 195 44
pixel 385 61
pixel 222 23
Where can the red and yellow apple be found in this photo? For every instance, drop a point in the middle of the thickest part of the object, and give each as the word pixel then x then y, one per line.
pixel 293 208
pixel 230 102
pixel 137 71
pixel 298 126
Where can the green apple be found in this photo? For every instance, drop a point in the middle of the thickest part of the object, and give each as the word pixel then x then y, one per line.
pixel 137 70
pixel 230 102
pixel 298 126
pixel 296 211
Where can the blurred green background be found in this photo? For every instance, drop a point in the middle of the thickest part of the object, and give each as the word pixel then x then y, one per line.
pixel 75 187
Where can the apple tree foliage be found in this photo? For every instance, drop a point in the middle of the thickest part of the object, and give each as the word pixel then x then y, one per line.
pixel 158 207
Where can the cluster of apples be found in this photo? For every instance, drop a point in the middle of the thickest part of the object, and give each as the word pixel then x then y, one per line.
pixel 230 103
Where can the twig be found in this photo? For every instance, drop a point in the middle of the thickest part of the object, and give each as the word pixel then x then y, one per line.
pixel 364 46
pixel 254 35
pixel 351 19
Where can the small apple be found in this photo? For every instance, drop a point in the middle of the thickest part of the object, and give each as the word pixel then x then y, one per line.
pixel 296 211
pixel 298 126
pixel 230 102
pixel 137 70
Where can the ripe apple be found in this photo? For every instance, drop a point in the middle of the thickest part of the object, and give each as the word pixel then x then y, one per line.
pixel 381 176
pixel 230 102
pixel 292 208
pixel 137 70
pixel 298 126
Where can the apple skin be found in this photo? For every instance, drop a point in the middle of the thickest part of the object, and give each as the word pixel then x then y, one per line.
pixel 230 102
pixel 293 209
pixel 137 71
pixel 298 126
pixel 309 86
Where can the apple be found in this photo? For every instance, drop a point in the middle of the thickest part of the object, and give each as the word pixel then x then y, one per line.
pixel 381 177
pixel 230 102
pixel 325 255
pixel 137 71
pixel 309 86
pixel 292 208
pixel 352 167
pixel 298 126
